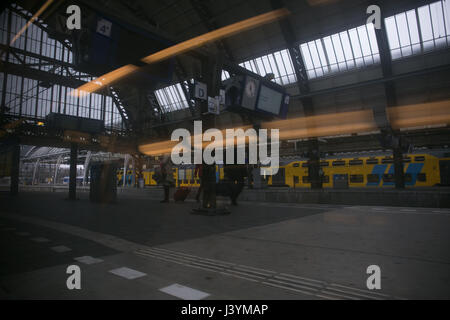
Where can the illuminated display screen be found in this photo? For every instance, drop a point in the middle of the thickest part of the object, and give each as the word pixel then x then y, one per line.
pixel 269 100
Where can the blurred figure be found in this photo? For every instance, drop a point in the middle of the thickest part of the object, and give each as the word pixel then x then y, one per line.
pixel 166 176
pixel 198 173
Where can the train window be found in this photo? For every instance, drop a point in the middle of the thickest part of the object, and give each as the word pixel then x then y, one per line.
pixel 422 177
pixel 325 179
pixel 387 160
pixel 407 160
pixel 355 162
pixel 192 181
pixel 324 164
pixel 372 161
pixel 356 178
pixel 408 177
pixel 388 177
pixel 419 159
pixel 306 179
pixel 373 178
pixel 339 163
pixel 296 165
pixel 305 165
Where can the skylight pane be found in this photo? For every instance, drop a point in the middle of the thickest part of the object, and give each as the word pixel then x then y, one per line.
pixel 347 48
pixel 341 51
pixel 446 6
pixel 322 56
pixel 225 75
pixel 419 30
pixel 279 63
pixel 171 98
pixel 314 54
pixel 357 52
pixel 413 30
pixel 426 27
pixel 267 65
pixel 437 17
pixel 307 60
pixel 273 64
pixel 330 52
pixel 403 34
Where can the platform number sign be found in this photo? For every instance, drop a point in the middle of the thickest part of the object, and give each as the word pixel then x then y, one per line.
pixel 104 27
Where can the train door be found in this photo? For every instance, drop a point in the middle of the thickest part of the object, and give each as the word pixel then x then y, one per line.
pixel 279 180
pixel 340 181
pixel 444 169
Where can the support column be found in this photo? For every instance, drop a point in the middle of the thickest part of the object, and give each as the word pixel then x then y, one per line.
pixel 58 163
pixel 211 75
pixel 73 171
pixel 36 166
pixel 15 169
pixel 86 167
pixel 133 172
pixel 125 164
pixel 399 174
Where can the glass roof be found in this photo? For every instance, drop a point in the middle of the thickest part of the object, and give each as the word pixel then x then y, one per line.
pixel 171 98
pixel 35 99
pixel 420 30
pixel 342 51
pixel 279 63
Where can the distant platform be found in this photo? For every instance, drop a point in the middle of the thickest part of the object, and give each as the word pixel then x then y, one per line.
pixel 438 197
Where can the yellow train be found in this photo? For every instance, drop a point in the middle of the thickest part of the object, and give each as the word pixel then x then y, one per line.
pixel 421 170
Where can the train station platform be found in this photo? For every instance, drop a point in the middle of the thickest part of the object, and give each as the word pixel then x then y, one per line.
pixel 436 197
pixel 139 248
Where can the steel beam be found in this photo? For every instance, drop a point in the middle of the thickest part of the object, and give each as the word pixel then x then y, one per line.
pixel 73 171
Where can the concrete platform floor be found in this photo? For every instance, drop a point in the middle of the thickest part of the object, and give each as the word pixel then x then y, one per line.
pixel 259 251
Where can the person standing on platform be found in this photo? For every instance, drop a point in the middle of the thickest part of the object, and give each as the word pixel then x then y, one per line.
pixel 167 176
pixel 198 173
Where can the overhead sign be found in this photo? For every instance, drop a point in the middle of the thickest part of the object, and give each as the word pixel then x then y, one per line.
pixel 222 97
pixel 104 27
pixel 251 89
pixel 213 105
pixel 200 91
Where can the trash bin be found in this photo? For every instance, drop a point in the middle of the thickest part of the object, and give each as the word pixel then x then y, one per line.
pixel 141 183
pixel 103 184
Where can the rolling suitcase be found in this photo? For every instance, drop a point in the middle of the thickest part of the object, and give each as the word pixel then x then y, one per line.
pixel 181 194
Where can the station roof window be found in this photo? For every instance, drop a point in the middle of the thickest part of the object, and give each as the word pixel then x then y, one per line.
pixel 343 51
pixel 279 63
pixel 171 98
pixel 225 75
pixel 420 30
